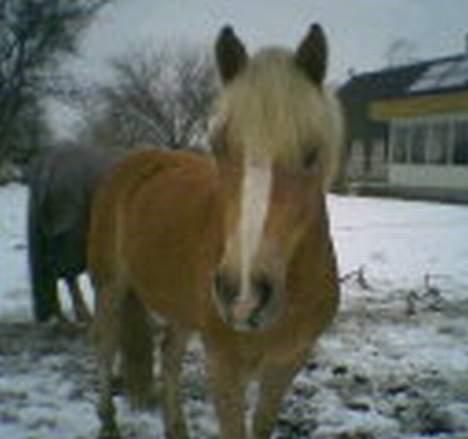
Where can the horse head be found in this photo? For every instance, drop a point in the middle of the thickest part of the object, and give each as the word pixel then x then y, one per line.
pixel 275 133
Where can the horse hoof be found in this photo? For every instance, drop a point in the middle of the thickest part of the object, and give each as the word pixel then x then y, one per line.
pixel 117 385
pixel 109 432
pixel 83 318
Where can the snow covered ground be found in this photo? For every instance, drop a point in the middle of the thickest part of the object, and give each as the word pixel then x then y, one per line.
pixel 394 365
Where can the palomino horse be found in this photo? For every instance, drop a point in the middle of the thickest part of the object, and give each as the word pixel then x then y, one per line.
pixel 61 184
pixel 235 247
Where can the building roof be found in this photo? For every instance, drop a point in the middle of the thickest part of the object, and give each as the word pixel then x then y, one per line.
pixel 435 76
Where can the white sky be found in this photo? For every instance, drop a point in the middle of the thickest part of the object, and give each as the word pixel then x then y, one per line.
pixel 360 31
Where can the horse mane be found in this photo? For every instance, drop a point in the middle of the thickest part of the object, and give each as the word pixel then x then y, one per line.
pixel 272 108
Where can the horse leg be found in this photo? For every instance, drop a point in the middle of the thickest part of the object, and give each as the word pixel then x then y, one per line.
pixel 136 346
pixel 46 303
pixel 43 279
pixel 105 408
pixel 273 384
pixel 80 309
pixel 173 347
pixel 43 284
pixel 228 386
pixel 106 333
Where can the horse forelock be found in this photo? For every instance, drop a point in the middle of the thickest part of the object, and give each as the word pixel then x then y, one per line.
pixel 272 110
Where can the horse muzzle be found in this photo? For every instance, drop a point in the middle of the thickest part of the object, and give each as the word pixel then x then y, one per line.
pixel 249 309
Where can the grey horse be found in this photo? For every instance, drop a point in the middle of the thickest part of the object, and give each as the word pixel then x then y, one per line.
pixel 62 182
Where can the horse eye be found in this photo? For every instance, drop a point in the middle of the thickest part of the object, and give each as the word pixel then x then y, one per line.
pixel 310 159
pixel 218 143
pixel 218 148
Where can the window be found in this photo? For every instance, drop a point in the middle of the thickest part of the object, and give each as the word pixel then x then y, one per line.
pixel 460 151
pixel 418 136
pixel 434 140
pixel 438 143
pixel 400 140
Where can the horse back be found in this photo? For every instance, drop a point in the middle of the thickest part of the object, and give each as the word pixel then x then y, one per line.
pixel 62 181
pixel 154 230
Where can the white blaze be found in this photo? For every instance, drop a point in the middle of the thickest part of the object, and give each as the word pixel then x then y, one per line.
pixel 255 200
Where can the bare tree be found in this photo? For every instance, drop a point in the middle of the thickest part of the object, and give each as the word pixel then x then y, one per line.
pixel 401 51
pixel 34 36
pixel 160 98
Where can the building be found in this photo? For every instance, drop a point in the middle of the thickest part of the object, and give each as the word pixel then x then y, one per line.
pixel 408 129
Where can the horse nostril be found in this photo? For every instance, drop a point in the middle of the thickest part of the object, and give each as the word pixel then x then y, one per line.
pixel 226 288
pixel 218 281
pixel 264 288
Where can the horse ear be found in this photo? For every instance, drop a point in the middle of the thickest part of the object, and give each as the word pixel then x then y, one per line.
pixel 231 55
pixel 312 54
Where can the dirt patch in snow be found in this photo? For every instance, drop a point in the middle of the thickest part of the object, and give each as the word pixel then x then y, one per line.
pixel 386 369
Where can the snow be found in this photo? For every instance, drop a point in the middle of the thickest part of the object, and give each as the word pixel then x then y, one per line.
pixel 382 371
pixel 401 241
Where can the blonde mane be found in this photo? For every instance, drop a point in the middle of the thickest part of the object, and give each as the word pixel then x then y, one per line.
pixel 273 109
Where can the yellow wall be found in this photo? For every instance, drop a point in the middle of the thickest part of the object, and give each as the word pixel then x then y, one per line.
pixel 419 106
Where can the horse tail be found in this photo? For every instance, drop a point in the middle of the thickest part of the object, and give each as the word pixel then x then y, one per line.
pixel 136 346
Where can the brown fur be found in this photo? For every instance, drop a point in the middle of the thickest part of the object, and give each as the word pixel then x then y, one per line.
pixel 136 341
pixel 159 238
